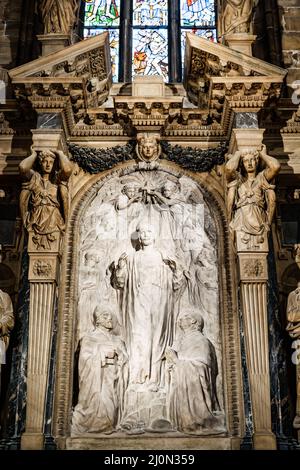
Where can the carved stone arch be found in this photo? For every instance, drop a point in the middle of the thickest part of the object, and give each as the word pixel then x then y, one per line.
pixel 229 314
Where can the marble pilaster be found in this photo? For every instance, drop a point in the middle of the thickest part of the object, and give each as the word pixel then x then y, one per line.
pixel 253 284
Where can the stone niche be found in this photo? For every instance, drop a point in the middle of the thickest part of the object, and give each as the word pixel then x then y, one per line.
pixel 148 350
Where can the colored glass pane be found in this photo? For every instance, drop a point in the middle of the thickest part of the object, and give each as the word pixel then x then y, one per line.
pixel 150 12
pixel 150 52
pixel 102 13
pixel 198 13
pixel 114 47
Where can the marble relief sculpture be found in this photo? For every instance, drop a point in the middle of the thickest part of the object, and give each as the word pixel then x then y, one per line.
pixel 44 196
pixel 293 313
pixel 293 328
pixel 251 197
pixel 58 15
pixel 237 16
pixel 141 242
pixel 7 322
pixel 193 367
pixel 102 377
pixel 149 283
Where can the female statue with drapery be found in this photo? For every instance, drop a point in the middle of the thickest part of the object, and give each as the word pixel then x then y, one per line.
pixel 44 196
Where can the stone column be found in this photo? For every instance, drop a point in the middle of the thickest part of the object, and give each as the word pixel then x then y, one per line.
pixel 253 268
pixel 44 261
pixel 43 266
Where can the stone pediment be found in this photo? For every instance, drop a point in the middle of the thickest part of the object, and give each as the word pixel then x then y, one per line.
pixel 216 75
pixel 79 74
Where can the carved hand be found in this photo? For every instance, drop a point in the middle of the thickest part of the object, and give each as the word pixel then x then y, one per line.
pixel 122 261
pixel 171 263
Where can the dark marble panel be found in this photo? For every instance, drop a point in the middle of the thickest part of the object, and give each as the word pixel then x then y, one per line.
pixel 49 121
pixel 246 121
pixel 14 424
pixel 279 355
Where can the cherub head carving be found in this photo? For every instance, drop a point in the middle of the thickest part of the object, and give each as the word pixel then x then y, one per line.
pixel 148 147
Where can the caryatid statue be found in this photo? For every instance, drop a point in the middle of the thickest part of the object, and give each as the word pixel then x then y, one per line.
pixel 44 196
pixel 237 16
pixel 293 327
pixel 251 196
pixel 58 15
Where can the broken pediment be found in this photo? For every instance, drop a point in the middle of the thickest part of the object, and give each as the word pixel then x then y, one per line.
pixel 217 76
pixel 79 74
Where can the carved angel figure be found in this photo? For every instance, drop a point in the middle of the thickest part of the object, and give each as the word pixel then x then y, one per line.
pixel 251 197
pixel 58 15
pixel 236 16
pixel 44 195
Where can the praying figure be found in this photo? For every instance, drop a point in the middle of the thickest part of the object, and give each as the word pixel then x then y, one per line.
pixel 193 368
pixel 102 377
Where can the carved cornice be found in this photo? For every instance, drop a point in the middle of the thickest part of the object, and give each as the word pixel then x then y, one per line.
pixel 221 80
pixel 73 84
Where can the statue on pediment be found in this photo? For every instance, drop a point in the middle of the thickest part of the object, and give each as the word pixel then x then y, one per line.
pixel 237 16
pixel 58 15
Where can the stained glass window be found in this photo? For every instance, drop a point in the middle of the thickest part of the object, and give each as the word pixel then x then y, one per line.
pixel 145 32
pixel 150 12
pixel 198 13
pixel 102 13
pixel 150 52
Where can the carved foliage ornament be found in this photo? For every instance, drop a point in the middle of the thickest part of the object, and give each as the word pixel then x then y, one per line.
pixel 94 161
pixel 253 268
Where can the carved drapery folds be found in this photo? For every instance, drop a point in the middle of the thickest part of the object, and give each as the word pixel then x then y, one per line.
pixel 237 16
pixel 58 15
pixel 293 328
pixel 146 261
pixel 251 197
pixel 6 324
pixel 44 198
pixel 250 205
